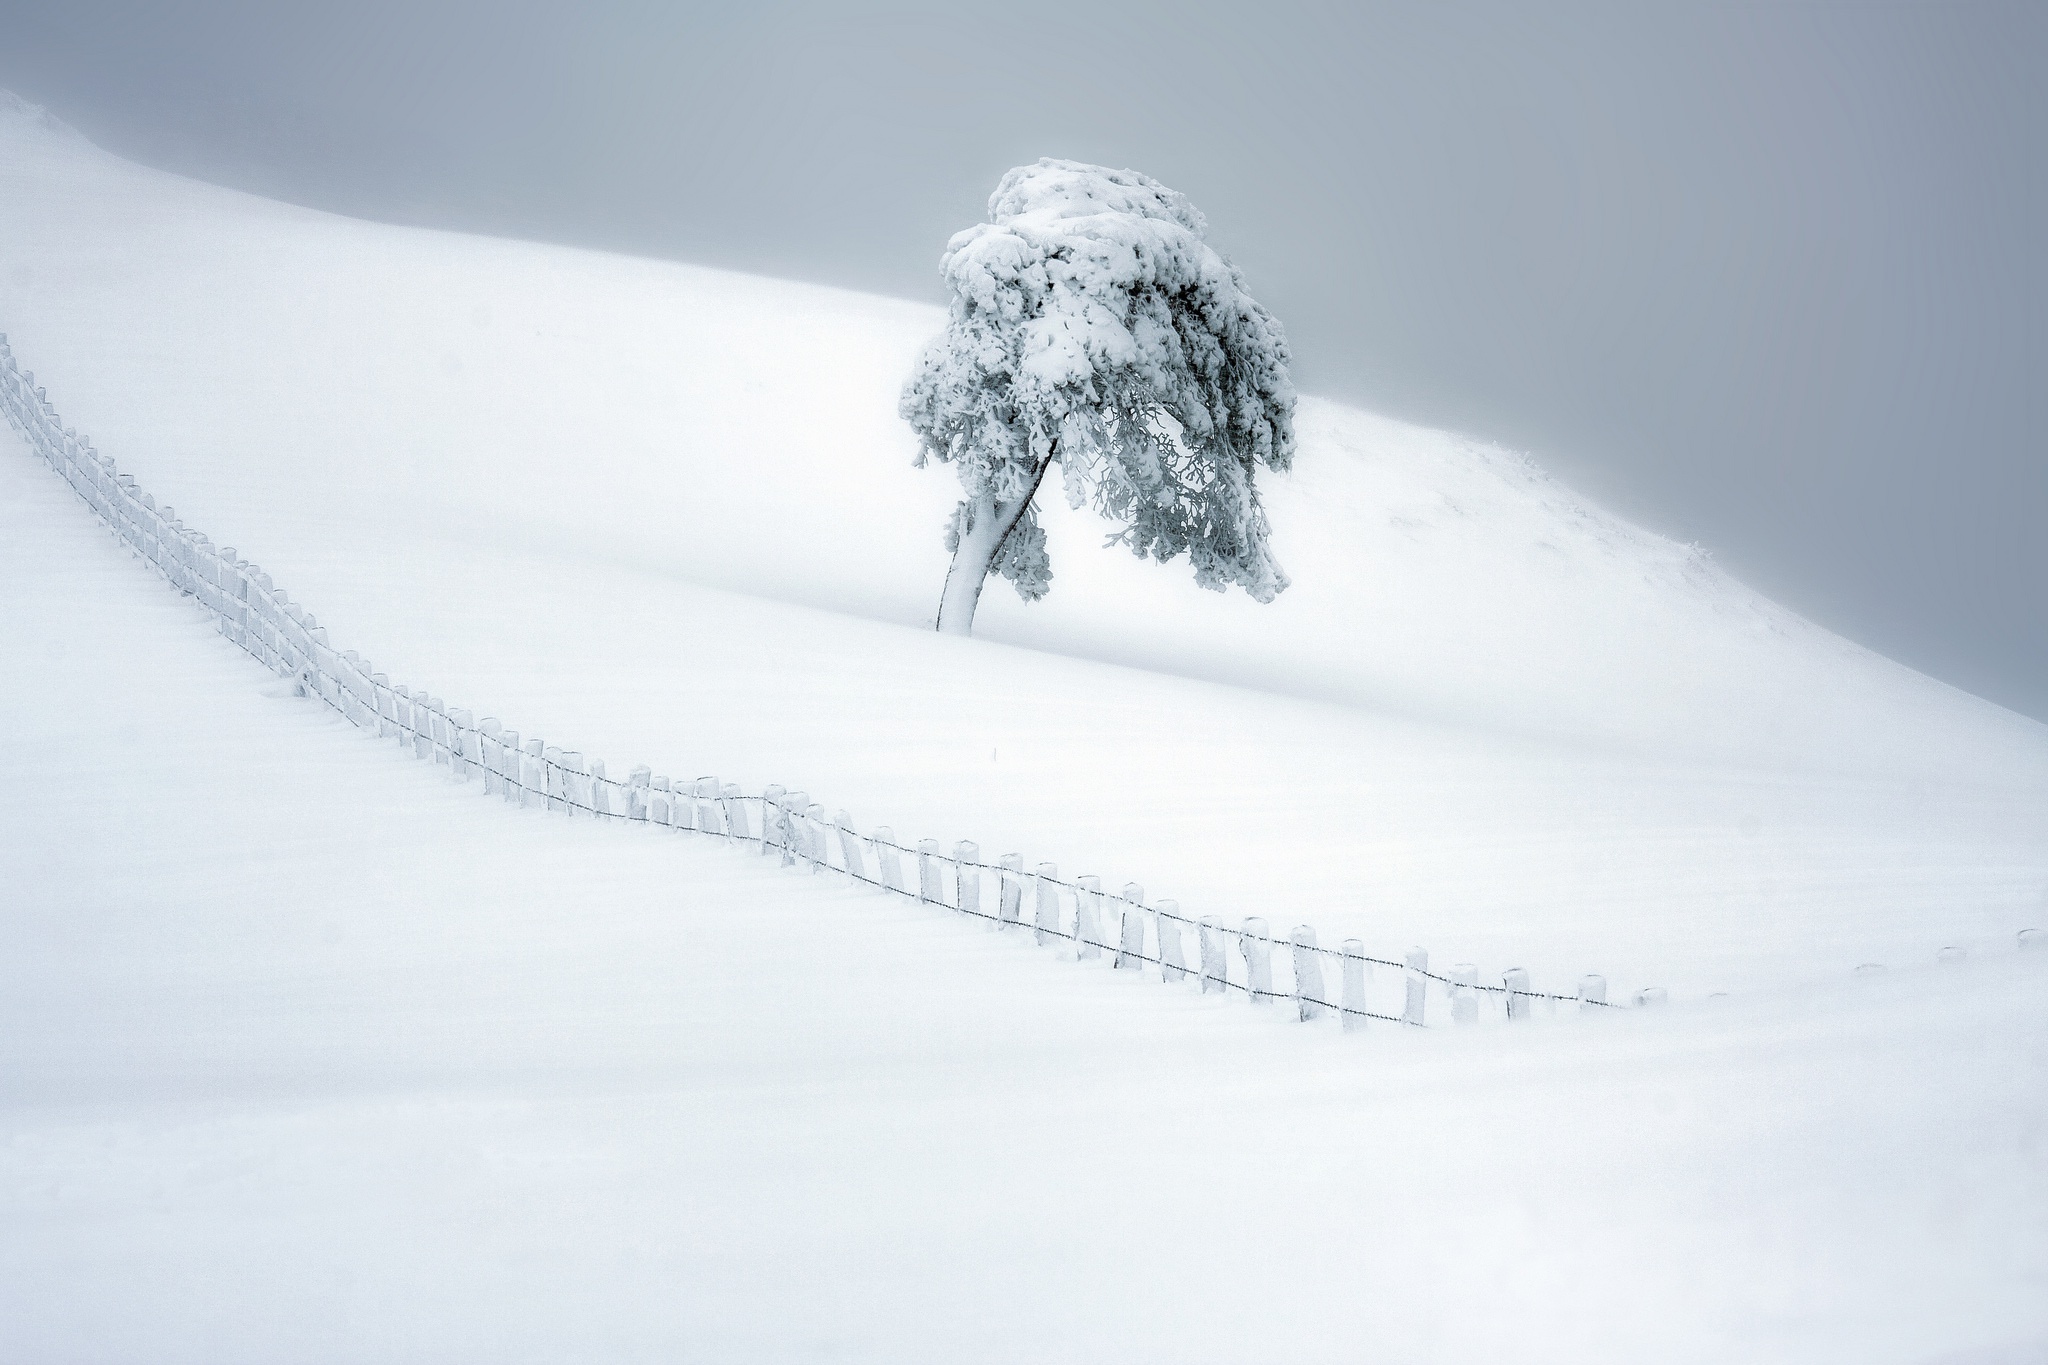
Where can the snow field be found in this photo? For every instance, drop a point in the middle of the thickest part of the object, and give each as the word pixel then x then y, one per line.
pixel 312 1054
pixel 666 515
pixel 309 1054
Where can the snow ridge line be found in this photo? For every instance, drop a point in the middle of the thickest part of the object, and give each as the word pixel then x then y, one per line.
pixel 261 619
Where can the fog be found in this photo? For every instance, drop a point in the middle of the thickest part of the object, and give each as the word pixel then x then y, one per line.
pixel 1768 277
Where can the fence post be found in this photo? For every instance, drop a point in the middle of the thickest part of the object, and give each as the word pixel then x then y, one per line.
pixel 1418 984
pixel 418 732
pixel 1010 890
pixel 639 789
pixel 1592 992
pixel 510 787
pixel 490 751
pixel 1652 995
pixel 533 780
pixel 575 782
pixel 849 847
pixel 1130 947
pixel 1308 974
pixel 966 879
pixel 735 807
pixel 1046 920
pixel 771 801
pixel 814 838
pixel 789 826
pixel 1354 985
pixel 461 744
pixel 1464 993
pixel 1166 925
pixel 1257 950
pixel 928 872
pixel 661 804
pixel 1087 905
pixel 437 719
pixel 699 806
pixel 1215 963
pixel 1515 981
pixel 557 778
pixel 887 863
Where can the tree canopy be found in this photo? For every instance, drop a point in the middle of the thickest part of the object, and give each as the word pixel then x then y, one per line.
pixel 1090 324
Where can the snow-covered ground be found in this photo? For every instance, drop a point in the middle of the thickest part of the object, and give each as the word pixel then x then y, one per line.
pixel 306 1054
pixel 666 515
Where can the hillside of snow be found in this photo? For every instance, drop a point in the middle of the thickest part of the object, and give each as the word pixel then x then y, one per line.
pixel 307 1053
pixel 666 514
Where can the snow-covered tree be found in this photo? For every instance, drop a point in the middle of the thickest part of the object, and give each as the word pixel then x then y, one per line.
pixel 1092 327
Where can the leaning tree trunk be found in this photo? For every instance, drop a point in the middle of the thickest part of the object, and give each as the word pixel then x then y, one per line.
pixel 976 554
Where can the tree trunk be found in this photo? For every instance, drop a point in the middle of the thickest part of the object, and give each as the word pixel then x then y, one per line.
pixel 976 555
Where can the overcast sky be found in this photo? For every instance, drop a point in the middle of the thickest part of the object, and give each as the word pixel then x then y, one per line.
pixel 1771 277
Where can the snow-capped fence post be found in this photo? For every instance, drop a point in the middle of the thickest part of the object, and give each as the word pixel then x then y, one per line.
pixel 575 783
pixel 461 752
pixel 1130 946
pixel 601 803
pixel 849 847
pixel 1257 950
pixel 381 685
pixel 661 802
pixel 1010 896
pixel 1652 995
pixel 490 752
pixel 789 831
pixel 1166 925
pixel 735 807
pixel 1354 985
pixel 1464 993
pixel 1046 920
pixel 437 722
pixel 1515 984
pixel 814 833
pixel 887 863
pixel 533 775
pixel 967 877
pixel 639 791
pixel 928 872
pixel 418 734
pixel 1087 906
pixel 1592 992
pixel 551 776
pixel 508 762
pixel 1215 962
pixel 1417 987
pixel 1308 974
pixel 771 802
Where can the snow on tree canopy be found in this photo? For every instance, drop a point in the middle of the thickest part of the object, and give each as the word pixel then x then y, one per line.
pixel 1091 325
